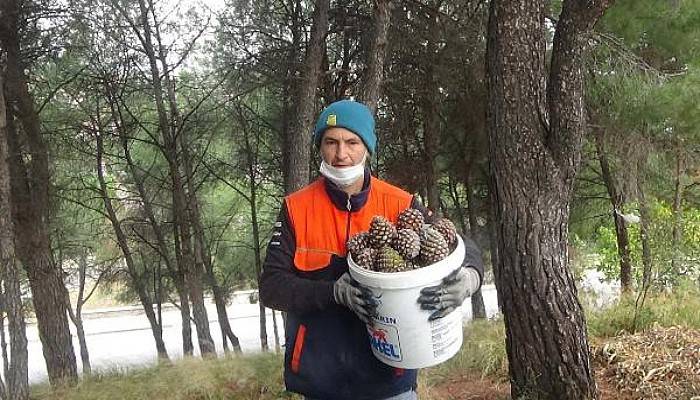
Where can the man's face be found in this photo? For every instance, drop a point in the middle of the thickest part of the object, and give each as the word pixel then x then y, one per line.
pixel 342 148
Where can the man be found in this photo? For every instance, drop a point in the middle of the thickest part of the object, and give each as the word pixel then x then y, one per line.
pixel 327 353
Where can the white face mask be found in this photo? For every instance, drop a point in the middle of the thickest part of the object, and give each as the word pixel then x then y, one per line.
pixel 345 176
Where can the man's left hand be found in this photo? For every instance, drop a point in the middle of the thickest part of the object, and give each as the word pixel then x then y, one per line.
pixel 451 293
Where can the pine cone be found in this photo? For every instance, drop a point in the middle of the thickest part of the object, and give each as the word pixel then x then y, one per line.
pixel 410 218
pixel 433 247
pixel 389 260
pixel 365 258
pixel 447 229
pixel 412 264
pixel 357 243
pixel 381 232
pixel 407 243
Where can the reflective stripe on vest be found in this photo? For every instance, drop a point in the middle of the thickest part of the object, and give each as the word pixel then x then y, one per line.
pixel 320 227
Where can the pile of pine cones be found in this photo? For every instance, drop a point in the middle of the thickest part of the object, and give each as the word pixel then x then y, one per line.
pixel 409 245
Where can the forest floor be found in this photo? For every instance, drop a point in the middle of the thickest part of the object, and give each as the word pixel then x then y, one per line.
pixel 475 387
pixel 658 364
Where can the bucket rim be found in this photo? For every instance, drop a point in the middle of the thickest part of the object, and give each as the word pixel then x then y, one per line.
pixel 412 278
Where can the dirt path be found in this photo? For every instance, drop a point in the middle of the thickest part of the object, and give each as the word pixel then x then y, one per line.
pixel 473 387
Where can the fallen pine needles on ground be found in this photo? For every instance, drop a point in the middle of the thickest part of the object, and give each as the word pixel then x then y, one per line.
pixel 659 364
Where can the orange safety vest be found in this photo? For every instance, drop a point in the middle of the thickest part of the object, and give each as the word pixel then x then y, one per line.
pixel 321 229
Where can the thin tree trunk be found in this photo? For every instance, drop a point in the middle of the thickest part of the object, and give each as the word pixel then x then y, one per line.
pixel 297 173
pixel 644 231
pixel 176 275
pixel 617 200
pixel 3 346
pixel 275 331
pixel 645 221
pixel 15 372
pixel 290 88
pixel 77 317
pixel 182 225
pixel 477 299
pixel 374 74
pixel 536 125
pixel 251 160
pixel 141 291
pixel 431 125
pixel 203 258
pixel 677 232
pixel 29 172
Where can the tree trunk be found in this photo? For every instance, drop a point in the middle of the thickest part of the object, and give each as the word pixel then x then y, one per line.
pixel 203 258
pixel 644 223
pixel 16 372
pixel 374 74
pixel 141 291
pixel 77 317
pixel 3 347
pixel 114 99
pixel 536 125
pixel 677 232
pixel 251 161
pixel 296 175
pixel 290 87
pixel 29 175
pixel 182 223
pixel 617 200
pixel 477 299
pixel 431 131
pixel 275 331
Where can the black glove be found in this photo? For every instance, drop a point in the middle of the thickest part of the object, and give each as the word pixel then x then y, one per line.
pixel 358 298
pixel 451 293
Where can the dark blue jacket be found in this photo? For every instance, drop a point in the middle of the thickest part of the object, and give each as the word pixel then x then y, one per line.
pixel 327 349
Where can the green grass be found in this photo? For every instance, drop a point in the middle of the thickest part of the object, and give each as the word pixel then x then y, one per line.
pixel 483 352
pixel 260 376
pixel 249 377
pixel 679 308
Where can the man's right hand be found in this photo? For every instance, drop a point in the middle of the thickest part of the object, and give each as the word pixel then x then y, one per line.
pixel 358 298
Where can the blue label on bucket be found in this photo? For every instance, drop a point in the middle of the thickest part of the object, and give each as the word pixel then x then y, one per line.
pixel 385 341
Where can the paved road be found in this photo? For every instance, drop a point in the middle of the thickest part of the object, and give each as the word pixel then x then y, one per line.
pixel 121 338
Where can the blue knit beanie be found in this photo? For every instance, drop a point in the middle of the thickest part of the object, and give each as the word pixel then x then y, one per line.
pixel 350 115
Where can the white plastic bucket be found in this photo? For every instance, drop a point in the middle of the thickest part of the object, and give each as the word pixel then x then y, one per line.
pixel 402 336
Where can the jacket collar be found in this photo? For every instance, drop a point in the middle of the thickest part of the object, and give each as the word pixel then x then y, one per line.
pixel 340 199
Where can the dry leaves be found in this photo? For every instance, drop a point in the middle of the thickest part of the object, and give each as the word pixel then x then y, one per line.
pixel 662 363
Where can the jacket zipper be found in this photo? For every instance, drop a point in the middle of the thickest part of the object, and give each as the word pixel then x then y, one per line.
pixel 347 227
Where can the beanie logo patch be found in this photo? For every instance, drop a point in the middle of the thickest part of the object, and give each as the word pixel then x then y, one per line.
pixel 332 120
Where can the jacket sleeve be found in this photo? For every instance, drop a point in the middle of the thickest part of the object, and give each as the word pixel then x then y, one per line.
pixel 281 288
pixel 472 254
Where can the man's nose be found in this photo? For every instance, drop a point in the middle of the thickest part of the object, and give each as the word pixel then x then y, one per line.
pixel 341 152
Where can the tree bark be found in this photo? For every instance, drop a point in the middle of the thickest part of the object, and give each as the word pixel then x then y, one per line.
pixel 123 244
pixel 203 258
pixel 178 278
pixel 644 224
pixel 16 373
pixel 289 92
pixel 29 180
pixel 677 232
pixel 618 202
pixel 251 161
pixel 431 128
pixel 182 223
pixel 477 299
pixel 374 75
pixel 536 125
pixel 77 317
pixel 296 175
